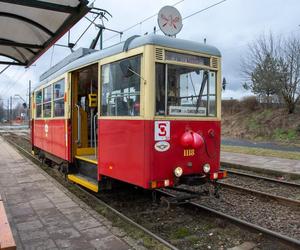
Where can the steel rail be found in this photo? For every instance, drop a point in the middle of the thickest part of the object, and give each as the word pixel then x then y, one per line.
pixel 240 222
pixel 25 137
pixel 282 200
pixel 127 219
pixel 249 225
pixel 262 177
pixel 124 217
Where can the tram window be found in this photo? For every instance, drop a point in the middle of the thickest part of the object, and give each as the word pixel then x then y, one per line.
pixel 120 91
pixel 212 94
pixel 58 96
pixel 38 102
pixel 38 97
pixel 47 101
pixel 160 89
pixel 190 91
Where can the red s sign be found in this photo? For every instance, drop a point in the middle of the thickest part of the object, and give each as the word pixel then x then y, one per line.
pixel 162 131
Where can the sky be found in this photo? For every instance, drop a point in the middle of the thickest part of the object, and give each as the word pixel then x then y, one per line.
pixel 229 26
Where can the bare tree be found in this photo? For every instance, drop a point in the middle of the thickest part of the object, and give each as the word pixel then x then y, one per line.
pixel 289 80
pixel 272 68
pixel 260 67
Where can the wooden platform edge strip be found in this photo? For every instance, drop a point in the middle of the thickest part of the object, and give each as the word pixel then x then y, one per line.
pixel 83 182
pixel 7 241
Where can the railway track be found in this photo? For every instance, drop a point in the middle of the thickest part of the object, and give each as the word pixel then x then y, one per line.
pixel 241 223
pixel 107 206
pixel 285 239
pixel 259 177
pixel 284 192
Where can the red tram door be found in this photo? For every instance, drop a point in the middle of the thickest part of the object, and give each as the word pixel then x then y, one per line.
pixel 84 89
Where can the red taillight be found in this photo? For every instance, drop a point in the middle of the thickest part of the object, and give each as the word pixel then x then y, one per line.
pixel 161 183
pixel 218 175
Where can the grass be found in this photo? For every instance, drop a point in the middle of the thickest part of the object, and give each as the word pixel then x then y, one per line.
pixel 181 233
pixel 261 152
pixel 253 124
pixel 285 135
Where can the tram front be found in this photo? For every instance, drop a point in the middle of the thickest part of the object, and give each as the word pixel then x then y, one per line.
pixel 187 116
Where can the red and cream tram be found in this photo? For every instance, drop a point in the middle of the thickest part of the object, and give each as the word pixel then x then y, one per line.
pixel 146 112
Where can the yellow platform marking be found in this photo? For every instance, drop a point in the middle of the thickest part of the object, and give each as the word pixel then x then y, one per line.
pixel 85 151
pixel 87 159
pixel 83 182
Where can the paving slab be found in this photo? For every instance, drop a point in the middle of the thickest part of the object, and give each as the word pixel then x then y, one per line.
pixel 44 215
pixel 262 162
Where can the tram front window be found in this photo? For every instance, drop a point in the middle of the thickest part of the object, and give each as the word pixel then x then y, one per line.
pixel 190 91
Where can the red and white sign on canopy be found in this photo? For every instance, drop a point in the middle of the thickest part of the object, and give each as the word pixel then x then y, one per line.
pixel 169 20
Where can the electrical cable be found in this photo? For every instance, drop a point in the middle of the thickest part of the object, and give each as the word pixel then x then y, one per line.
pixel 139 23
pixel 5 68
pixel 199 11
pixel 9 87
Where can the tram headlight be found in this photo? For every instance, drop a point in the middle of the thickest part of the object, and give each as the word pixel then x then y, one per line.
pixel 178 171
pixel 206 168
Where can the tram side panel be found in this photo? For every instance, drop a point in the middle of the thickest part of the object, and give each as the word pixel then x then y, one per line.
pixel 121 150
pixel 52 137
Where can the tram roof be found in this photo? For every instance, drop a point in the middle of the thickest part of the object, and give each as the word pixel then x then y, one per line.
pixel 86 56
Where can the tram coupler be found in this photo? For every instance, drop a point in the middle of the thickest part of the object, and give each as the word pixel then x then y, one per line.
pixel 168 201
pixel 182 199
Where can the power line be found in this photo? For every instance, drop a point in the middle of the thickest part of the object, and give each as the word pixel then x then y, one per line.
pixel 139 23
pixel 4 69
pixel 9 87
pixel 199 11
pixel 11 79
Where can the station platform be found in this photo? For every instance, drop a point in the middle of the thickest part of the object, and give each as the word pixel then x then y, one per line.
pixel 272 164
pixel 44 215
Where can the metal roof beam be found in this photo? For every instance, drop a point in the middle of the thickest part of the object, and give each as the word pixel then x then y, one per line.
pixel 70 21
pixel 24 19
pixel 13 63
pixel 22 45
pixel 43 5
pixel 16 61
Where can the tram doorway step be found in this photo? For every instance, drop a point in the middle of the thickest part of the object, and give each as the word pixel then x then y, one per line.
pixel 87 154
pixel 86 168
pixel 84 181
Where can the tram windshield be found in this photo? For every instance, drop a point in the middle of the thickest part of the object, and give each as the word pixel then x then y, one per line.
pixel 190 91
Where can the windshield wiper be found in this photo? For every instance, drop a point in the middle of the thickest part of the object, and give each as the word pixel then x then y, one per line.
pixel 204 80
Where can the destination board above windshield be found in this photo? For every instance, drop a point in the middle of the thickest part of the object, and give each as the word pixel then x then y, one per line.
pixel 187 58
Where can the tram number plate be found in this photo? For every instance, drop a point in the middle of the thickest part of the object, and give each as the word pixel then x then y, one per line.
pixel 162 131
pixel 188 152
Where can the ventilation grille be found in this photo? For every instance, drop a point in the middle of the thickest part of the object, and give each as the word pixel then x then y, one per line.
pixel 214 62
pixel 159 54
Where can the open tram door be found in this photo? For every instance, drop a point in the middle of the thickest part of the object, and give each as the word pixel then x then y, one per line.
pixel 84 95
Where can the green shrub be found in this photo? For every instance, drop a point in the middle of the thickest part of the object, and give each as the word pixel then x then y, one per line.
pixel 281 134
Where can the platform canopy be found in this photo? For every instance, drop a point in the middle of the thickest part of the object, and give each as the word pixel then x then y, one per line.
pixel 29 27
